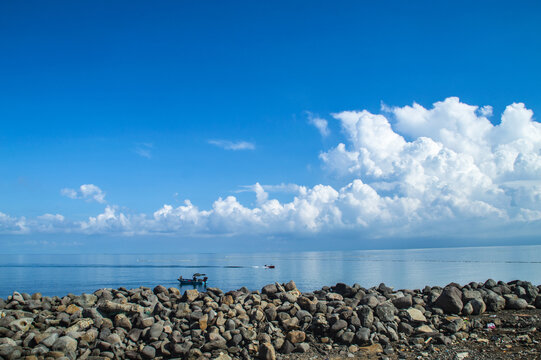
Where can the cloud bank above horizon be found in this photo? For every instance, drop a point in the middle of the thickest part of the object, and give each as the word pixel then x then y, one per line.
pixel 408 170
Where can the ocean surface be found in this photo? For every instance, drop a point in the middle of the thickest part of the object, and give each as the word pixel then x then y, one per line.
pixel 62 274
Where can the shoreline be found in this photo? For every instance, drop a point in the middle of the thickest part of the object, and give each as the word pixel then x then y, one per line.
pixel 493 318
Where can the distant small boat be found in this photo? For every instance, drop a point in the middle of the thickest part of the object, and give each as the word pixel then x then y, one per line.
pixel 197 279
pixel 269 266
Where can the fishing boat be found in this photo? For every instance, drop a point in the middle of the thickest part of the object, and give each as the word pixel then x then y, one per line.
pixel 197 279
pixel 269 266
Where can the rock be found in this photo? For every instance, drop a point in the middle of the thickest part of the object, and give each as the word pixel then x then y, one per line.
pixel 149 352
pixel 516 304
pixel 302 348
pixel 453 326
pixel 403 302
pixel 296 336
pixel 424 329
pixel 269 289
pixel 114 339
pixel 405 328
pixel 339 325
pixel 155 331
pixel 121 320
pixel 366 316
pixel 307 304
pixel 371 350
pixel 415 315
pixel 86 300
pixel 450 300
pixel 385 312
pixel 347 337
pixel 287 348
pixel 478 306
pixel 113 307
pixel 362 336
pixel 266 351
pixel 224 356
pixel 537 302
pixel 50 340
pixel 65 344
pixel 467 309
pixel 72 309
pixel 334 297
pixel 22 324
pixel 190 295
pixel 160 289
pixel 494 302
pixel 290 286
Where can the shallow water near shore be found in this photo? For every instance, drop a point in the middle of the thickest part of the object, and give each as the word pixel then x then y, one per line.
pixel 412 268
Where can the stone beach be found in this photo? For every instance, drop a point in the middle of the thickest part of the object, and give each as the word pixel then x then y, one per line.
pixel 340 321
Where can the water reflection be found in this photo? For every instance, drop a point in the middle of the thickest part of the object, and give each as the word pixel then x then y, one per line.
pixel 62 274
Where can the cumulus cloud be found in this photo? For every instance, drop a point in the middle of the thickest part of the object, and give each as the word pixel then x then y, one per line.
pixel 320 124
pixel 233 145
pixel 89 192
pixel 412 170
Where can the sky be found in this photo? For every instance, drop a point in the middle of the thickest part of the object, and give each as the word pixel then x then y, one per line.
pixel 134 126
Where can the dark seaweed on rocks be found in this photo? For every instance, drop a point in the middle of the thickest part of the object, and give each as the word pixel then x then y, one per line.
pixel 146 323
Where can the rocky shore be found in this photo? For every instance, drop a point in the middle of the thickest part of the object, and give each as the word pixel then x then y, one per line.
pixel 478 320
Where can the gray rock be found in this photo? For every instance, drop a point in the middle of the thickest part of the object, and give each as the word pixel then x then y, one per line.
pixel 302 348
pixel 362 336
pixel 266 351
pixel 450 300
pixel 65 344
pixel 467 309
pixel 403 302
pixel 6 350
pixel 494 302
pixel 478 306
pixel 86 300
pixel 385 312
pixel 405 328
pixel 149 352
pixel 339 325
pixel 516 304
pixel 347 337
pixel 366 315
pixel 415 315
pixel 453 326
pixel 50 340
pixel 155 331
pixel 287 348
pixel 537 301
pixel 269 289
pixel 22 324
pixel 290 286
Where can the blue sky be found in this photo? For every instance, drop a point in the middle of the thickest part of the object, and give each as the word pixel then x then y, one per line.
pixel 141 100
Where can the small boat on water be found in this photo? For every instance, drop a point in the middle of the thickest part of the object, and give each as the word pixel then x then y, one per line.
pixel 197 279
pixel 269 266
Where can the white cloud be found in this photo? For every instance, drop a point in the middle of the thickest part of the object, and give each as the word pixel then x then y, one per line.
pixel 89 192
pixel 320 124
pixel 445 170
pixel 144 150
pixel 233 145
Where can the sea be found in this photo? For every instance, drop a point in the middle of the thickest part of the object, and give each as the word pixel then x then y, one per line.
pixel 59 275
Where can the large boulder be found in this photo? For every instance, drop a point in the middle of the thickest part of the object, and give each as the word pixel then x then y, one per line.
pixel 450 300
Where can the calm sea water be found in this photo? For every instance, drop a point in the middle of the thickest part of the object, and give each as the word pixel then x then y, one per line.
pixel 63 274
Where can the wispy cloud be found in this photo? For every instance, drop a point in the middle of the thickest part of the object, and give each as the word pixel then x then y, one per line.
pixel 233 145
pixel 144 150
pixel 89 192
pixel 320 124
